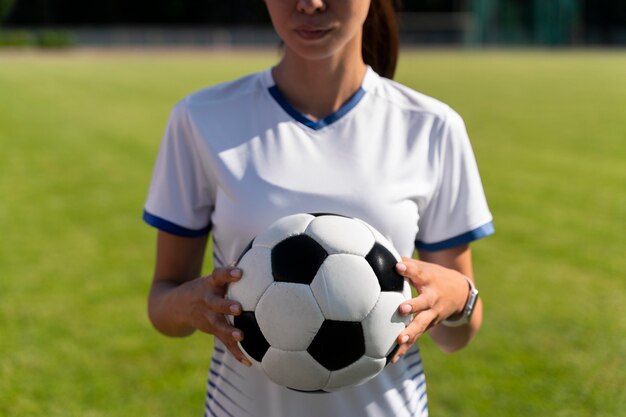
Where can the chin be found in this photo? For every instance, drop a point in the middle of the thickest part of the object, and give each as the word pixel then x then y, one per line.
pixel 315 51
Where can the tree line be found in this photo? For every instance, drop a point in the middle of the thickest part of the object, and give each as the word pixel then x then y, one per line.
pixel 606 18
pixel 168 12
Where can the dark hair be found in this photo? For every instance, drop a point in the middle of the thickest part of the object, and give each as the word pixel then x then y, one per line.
pixel 381 40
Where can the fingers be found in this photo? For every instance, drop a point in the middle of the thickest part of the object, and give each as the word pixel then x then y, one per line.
pixel 218 282
pixel 424 318
pixel 209 312
pixel 416 305
pixel 425 313
pixel 230 336
pixel 204 307
pixel 416 328
pixel 400 353
pixel 220 305
pixel 415 271
pixel 234 349
pixel 218 326
pixel 221 277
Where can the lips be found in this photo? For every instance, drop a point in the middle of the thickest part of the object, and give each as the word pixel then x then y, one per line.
pixel 311 33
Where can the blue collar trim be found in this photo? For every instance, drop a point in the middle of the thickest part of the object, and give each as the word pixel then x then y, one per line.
pixel 321 123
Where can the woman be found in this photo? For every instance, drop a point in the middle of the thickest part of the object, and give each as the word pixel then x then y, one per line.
pixel 322 131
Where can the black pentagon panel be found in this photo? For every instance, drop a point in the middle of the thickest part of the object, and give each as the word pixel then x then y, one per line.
pixel 317 391
pixel 254 343
pixel 338 344
pixel 327 214
pixel 243 252
pixel 383 264
pixel 392 354
pixel 297 259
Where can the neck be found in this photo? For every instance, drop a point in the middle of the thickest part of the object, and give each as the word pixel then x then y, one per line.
pixel 318 88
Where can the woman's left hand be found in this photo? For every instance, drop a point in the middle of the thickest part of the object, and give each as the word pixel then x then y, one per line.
pixel 442 293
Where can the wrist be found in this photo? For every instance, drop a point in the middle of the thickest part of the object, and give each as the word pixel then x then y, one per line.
pixel 168 310
pixel 464 316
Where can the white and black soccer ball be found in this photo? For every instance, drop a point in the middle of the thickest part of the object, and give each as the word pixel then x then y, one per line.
pixel 320 298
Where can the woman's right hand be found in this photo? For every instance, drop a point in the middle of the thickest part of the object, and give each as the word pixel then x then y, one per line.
pixel 180 302
pixel 207 308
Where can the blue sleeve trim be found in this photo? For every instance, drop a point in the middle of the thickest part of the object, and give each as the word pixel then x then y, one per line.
pixel 478 233
pixel 173 228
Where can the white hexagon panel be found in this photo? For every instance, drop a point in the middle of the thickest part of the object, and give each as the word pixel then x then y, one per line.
pixel 295 370
pixel 345 287
pixel 283 228
pixel 357 373
pixel 339 234
pixel 249 289
pixel 289 316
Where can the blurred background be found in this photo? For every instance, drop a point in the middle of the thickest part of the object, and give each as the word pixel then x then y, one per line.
pixel 245 22
pixel 85 92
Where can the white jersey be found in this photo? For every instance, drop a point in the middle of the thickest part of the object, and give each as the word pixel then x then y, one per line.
pixel 236 157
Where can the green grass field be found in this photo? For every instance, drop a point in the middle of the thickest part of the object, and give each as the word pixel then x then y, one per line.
pixel 78 136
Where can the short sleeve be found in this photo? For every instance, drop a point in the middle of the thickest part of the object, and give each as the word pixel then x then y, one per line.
pixel 179 199
pixel 457 212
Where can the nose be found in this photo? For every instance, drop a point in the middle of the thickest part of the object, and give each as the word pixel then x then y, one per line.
pixel 311 6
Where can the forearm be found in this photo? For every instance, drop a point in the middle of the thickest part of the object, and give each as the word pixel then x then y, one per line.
pixel 172 295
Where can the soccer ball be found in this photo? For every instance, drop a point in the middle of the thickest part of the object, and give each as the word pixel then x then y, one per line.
pixel 320 298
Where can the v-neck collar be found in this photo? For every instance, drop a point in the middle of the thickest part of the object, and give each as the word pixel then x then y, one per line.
pixel 326 121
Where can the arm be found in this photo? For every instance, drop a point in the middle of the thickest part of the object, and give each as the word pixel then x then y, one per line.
pixel 181 301
pixel 439 278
